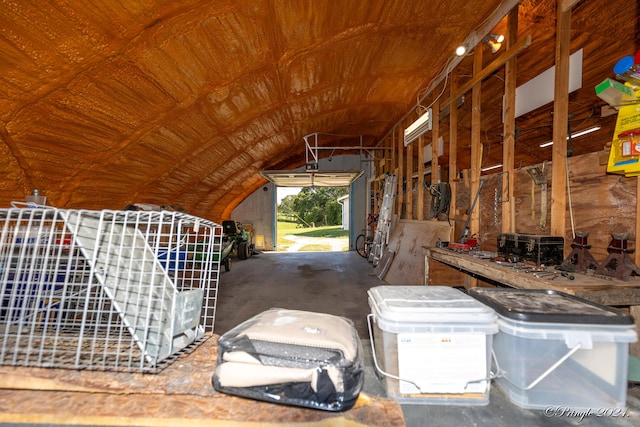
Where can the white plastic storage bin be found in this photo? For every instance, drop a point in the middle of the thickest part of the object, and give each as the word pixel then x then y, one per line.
pixel 557 350
pixel 432 344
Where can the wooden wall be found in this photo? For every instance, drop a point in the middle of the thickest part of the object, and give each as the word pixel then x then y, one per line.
pixel 601 204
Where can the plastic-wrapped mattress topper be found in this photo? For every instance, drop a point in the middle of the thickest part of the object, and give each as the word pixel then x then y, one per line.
pixel 292 357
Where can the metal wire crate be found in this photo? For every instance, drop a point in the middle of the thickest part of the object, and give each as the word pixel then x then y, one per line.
pixel 105 290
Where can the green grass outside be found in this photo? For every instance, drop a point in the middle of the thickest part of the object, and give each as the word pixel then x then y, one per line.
pixel 290 228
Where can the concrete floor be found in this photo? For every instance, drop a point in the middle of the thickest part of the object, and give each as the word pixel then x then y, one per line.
pixel 326 282
pixel 337 283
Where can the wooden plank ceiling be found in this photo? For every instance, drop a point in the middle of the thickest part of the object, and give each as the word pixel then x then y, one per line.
pixel 184 102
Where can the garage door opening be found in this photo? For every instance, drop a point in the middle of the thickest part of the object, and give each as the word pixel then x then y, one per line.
pixel 313 183
pixel 312 219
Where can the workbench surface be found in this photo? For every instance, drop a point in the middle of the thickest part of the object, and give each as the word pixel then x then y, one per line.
pixel 179 395
pixel 605 291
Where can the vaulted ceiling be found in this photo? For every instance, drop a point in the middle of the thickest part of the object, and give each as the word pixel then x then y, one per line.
pixel 184 102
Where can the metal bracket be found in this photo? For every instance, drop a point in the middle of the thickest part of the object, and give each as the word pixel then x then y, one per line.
pixel 311 149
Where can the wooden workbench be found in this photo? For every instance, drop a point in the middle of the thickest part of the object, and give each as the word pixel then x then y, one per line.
pixel 609 292
pixel 180 395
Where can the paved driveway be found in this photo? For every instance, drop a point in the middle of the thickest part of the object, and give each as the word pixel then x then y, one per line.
pixel 328 244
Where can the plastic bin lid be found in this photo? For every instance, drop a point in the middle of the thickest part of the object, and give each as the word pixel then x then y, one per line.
pixel 435 304
pixel 547 306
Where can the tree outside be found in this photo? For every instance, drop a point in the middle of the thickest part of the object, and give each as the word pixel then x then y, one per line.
pixel 313 207
pixel 312 221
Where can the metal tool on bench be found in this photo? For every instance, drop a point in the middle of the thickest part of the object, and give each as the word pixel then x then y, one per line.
pixel 543 274
pixel 549 275
pixel 566 274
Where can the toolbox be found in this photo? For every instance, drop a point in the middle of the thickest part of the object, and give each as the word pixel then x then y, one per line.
pixel 539 249
pixel 292 357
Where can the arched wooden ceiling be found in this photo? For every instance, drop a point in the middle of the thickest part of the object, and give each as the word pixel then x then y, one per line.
pixel 184 102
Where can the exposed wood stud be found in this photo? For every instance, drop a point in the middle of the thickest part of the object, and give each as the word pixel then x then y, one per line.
pixel 560 121
pixel 508 142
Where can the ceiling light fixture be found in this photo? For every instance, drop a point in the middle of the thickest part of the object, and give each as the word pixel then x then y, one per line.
pixel 488 168
pixel 419 127
pixel 574 135
pixel 499 38
pixel 461 50
pixel 494 41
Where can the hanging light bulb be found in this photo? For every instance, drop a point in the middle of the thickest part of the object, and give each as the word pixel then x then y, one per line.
pixel 494 41
pixel 461 50
pixel 499 38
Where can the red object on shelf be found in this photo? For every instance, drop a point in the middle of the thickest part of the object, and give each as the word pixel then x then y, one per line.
pixel 469 243
pixel 459 247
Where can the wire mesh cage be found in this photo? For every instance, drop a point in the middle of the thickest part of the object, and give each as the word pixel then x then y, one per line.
pixel 105 290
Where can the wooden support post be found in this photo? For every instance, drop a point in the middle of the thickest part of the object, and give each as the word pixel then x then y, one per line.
pixel 391 145
pixel 476 146
pixel 409 186
pixel 453 149
pixel 476 155
pixel 420 182
pixel 400 175
pixel 435 143
pixel 560 120
pixel 509 130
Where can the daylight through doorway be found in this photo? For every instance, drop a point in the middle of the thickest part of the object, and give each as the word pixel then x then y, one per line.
pixel 312 219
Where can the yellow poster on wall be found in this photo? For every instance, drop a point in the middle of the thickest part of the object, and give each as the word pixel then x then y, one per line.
pixel 624 157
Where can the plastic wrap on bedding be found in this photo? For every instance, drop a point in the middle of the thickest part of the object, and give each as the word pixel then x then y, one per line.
pixel 292 357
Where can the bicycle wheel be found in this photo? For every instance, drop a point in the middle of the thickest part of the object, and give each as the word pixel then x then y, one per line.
pixel 367 247
pixel 360 246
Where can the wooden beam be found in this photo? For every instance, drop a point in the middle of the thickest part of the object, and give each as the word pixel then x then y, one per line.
pixel 420 183
pixel 509 130
pixel 453 149
pixel 476 145
pixel 392 138
pixel 490 68
pixel 394 158
pixel 435 144
pixel 560 120
pixel 567 5
pixel 476 156
pixel 400 176
pixel 384 164
pixel 409 185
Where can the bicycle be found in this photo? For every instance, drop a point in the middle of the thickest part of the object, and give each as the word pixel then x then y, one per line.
pixel 363 245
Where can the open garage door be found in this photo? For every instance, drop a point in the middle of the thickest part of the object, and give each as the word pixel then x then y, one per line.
pixel 311 179
pixel 306 226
